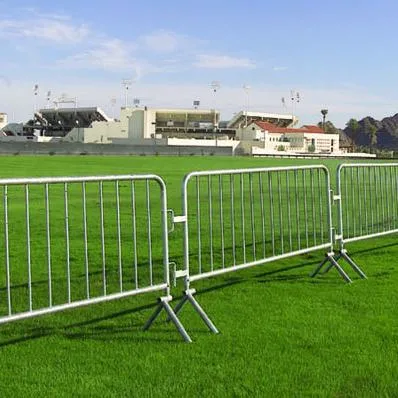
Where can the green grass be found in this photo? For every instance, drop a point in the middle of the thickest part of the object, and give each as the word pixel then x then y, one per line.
pixel 282 333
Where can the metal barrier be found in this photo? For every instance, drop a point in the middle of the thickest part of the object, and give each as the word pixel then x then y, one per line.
pixel 236 219
pixel 367 197
pixel 86 240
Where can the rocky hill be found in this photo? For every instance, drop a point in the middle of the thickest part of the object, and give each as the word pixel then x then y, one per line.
pixel 369 132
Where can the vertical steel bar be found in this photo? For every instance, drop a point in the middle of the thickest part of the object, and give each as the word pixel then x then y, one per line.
pixel 28 246
pixel 313 206
pixel 232 194
pixel 353 203
pixel 377 197
pixel 48 241
pixel 103 252
pixel 261 188
pixel 221 208
pixel 7 249
pixel 371 195
pixel 134 227
pixel 297 209
pixel 85 236
pixel 389 196
pixel 365 198
pixel 67 242
pixel 252 221
pixel 281 229
pixel 242 209
pixel 271 201
pixel 382 201
pixel 359 189
pixel 346 202
pixel 321 204
pixel 289 215
pixel 210 199
pixel 119 238
pixel 305 207
pixel 149 221
pixel 198 221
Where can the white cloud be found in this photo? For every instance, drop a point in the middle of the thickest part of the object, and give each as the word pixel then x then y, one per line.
pixel 45 29
pixel 163 41
pixel 280 68
pixel 223 62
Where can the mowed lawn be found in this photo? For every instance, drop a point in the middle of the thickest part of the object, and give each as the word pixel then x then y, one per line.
pixel 282 333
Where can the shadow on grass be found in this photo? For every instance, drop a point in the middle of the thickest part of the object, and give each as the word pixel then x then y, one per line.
pixel 113 332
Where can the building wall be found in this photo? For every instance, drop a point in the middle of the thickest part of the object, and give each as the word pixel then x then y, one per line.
pixel 136 124
pixel 3 120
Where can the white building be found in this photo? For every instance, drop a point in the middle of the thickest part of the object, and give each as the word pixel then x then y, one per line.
pixel 3 120
pixel 275 138
pixel 138 124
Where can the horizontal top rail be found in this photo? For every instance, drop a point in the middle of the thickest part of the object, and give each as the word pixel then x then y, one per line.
pixel 60 180
pixel 347 165
pixel 253 170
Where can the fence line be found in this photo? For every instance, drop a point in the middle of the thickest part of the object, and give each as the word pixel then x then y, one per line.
pixel 109 234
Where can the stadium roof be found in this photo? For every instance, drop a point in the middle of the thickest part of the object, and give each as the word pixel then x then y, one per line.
pixel 240 119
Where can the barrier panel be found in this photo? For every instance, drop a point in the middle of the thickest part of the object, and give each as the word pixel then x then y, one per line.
pixel 236 219
pixel 75 241
pixel 367 197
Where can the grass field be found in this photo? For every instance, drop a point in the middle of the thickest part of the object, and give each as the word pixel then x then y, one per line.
pixel 282 333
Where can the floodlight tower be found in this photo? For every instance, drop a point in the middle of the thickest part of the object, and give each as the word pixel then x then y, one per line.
pixel 295 98
pixel 35 92
pixel 126 83
pixel 246 89
pixel 48 99
pixel 136 102
pixel 215 86
pixel 324 113
pixel 196 104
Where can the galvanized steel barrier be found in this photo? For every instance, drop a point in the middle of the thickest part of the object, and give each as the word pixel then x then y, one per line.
pixel 86 240
pixel 367 198
pixel 236 219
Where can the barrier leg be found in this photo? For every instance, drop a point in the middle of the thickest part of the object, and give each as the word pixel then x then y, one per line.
pixel 355 267
pixel 189 296
pixel 164 305
pixel 330 260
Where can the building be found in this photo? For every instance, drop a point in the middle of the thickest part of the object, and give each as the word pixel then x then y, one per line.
pixel 137 124
pixel 244 118
pixel 3 120
pixel 271 137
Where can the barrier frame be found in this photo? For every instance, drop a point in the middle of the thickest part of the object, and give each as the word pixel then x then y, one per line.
pixel 188 294
pixel 163 302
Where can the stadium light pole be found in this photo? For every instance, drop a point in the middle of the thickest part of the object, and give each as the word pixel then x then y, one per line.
pixel 35 92
pixel 126 83
pixel 215 86
pixel 246 89
pixel 48 98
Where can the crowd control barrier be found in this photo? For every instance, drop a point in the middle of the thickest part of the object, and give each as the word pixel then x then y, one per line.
pixel 236 219
pixel 75 241
pixel 71 242
pixel 367 199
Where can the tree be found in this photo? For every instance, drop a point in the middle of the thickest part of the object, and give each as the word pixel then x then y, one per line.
pixel 329 127
pixel 354 128
pixel 372 137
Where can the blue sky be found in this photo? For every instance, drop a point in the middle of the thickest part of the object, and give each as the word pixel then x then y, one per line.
pixel 336 54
